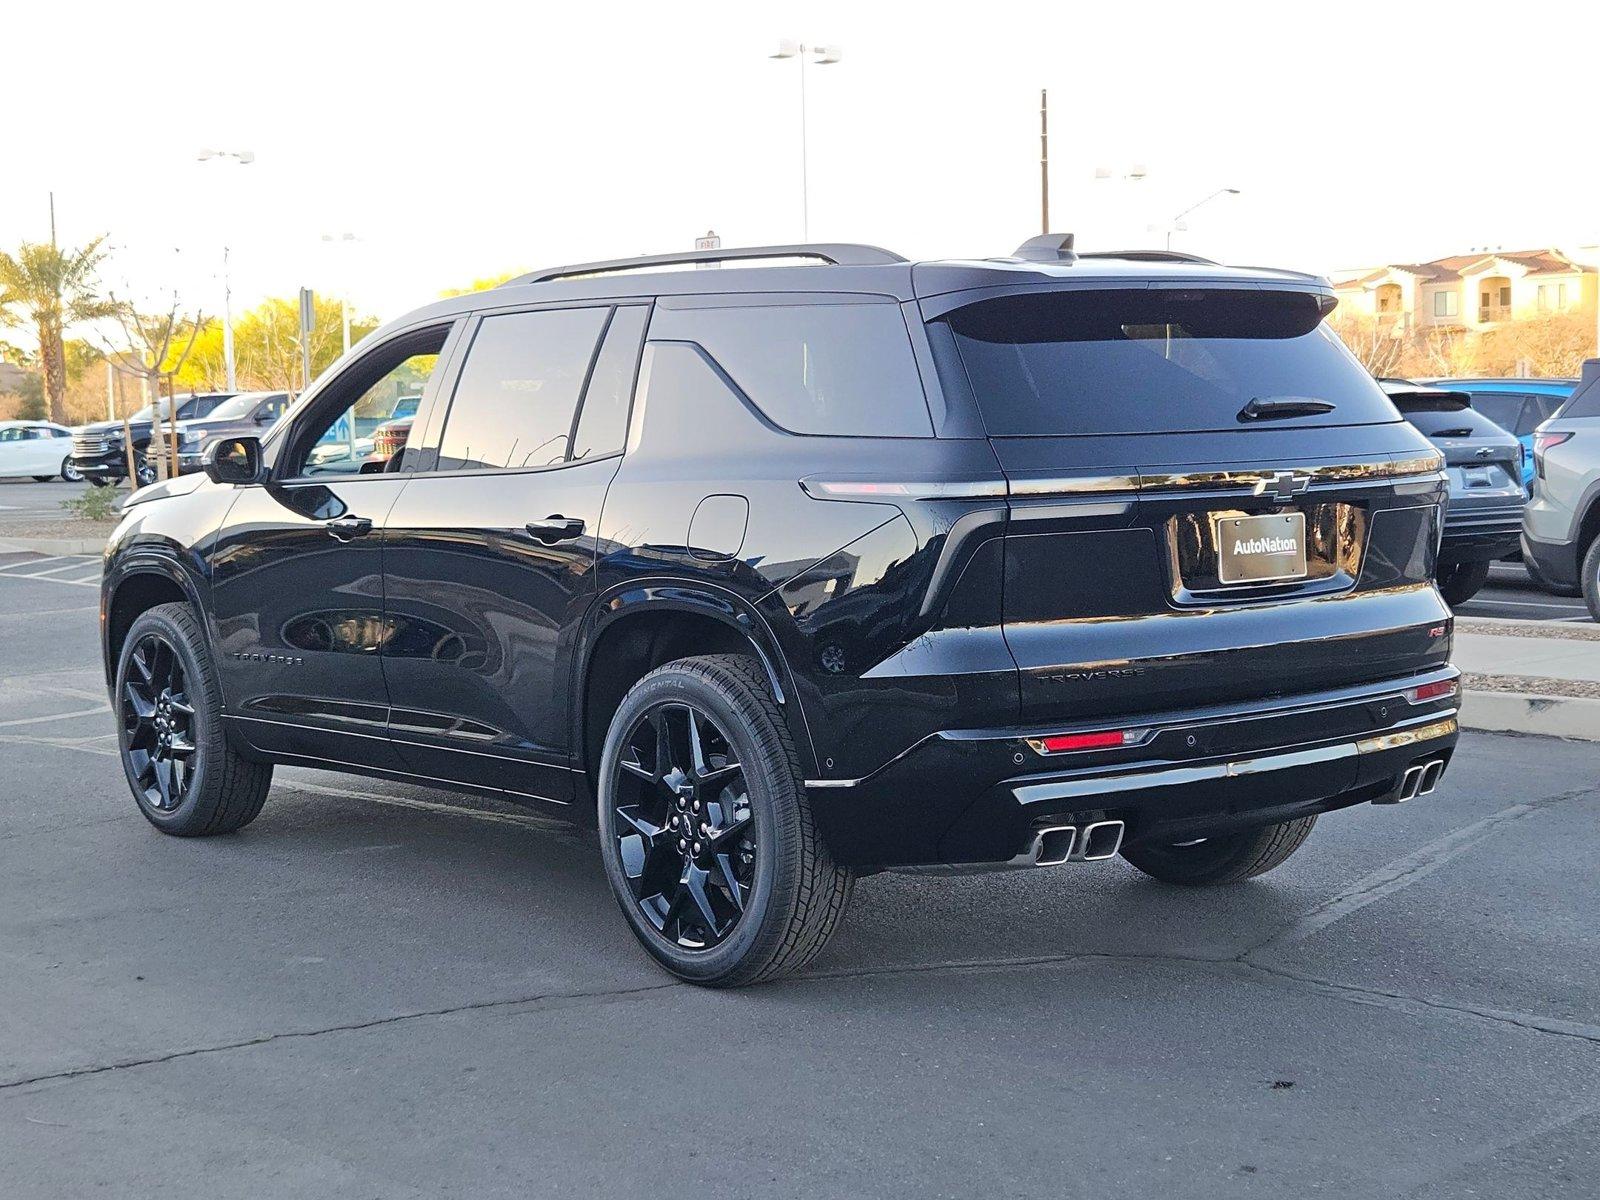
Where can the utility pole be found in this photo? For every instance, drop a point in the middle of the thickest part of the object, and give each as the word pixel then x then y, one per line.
pixel 227 325
pixel 1044 161
pixel 52 220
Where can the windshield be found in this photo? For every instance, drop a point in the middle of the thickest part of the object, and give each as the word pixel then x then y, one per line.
pixel 239 406
pixel 1100 362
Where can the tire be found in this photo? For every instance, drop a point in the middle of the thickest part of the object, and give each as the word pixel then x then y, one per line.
pixel 1460 582
pixel 1590 576
pixel 783 902
pixel 144 471
pixel 210 788
pixel 43 478
pixel 1543 581
pixel 69 472
pixel 1232 858
pixel 100 481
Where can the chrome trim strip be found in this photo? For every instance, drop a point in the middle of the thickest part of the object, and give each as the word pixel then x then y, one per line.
pixel 1407 737
pixel 1137 781
pixel 1074 485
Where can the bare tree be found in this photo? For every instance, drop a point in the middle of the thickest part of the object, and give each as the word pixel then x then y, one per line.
pixel 149 351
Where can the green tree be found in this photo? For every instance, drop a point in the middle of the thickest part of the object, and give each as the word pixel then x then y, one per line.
pixel 50 289
pixel 266 346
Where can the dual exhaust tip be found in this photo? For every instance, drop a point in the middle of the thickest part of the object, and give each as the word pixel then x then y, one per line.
pixel 1419 780
pixel 1053 845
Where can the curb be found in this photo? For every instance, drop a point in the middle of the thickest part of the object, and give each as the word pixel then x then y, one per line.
pixel 1521 712
pixel 54 545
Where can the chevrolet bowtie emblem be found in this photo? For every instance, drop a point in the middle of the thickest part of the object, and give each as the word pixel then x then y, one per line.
pixel 1283 484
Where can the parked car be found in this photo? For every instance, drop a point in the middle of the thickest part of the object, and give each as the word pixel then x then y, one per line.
pixel 246 413
pixel 349 445
pixel 38 450
pixel 1483 518
pixel 1561 528
pixel 786 574
pixel 99 455
pixel 389 439
pixel 1516 405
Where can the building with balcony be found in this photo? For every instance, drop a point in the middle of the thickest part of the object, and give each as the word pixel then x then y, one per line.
pixel 1472 292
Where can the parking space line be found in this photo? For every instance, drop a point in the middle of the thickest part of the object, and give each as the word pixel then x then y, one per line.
pixel 77 712
pixel 76 564
pixel 34 562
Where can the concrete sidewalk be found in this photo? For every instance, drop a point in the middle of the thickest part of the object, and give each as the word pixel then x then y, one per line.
pixel 1522 678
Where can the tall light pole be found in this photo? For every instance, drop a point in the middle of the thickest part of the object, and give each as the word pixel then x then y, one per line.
pixel 822 56
pixel 347 240
pixel 1176 224
pixel 1044 161
pixel 244 158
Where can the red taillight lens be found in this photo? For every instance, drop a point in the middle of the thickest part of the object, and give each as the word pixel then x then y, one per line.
pixel 1431 691
pixel 1059 743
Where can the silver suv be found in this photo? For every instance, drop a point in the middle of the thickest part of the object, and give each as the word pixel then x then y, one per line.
pixel 1561 524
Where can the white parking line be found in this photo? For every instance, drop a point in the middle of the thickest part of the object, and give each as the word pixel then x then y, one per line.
pixel 34 562
pixel 1571 608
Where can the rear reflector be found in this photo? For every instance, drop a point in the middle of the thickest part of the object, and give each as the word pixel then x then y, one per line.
pixel 1431 691
pixel 1060 743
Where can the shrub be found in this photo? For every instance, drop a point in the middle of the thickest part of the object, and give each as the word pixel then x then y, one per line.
pixel 94 504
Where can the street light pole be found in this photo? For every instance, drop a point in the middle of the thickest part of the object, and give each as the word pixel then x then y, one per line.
pixel 347 240
pixel 1173 226
pixel 822 56
pixel 244 158
pixel 1044 161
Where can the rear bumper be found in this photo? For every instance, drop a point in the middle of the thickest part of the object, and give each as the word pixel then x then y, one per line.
pixel 966 797
pixel 1471 536
pixel 1555 561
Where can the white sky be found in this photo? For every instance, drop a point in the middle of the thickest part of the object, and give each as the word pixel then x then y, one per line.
pixel 459 140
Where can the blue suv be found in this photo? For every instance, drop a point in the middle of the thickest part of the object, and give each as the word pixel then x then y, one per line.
pixel 1518 406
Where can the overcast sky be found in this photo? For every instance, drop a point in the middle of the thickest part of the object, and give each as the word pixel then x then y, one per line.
pixel 464 139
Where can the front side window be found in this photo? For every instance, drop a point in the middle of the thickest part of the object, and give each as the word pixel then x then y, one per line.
pixel 340 440
pixel 518 391
pixel 838 369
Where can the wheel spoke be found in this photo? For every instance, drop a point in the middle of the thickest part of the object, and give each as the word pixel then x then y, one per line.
pixel 139 660
pixel 164 782
pixel 730 882
pixel 696 886
pixel 638 770
pixel 697 754
pixel 634 817
pixel 180 746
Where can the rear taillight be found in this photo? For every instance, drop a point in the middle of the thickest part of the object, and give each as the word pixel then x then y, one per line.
pixel 1107 739
pixel 1431 691
pixel 1543 442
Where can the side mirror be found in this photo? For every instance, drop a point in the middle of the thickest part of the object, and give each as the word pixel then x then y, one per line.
pixel 233 460
pixel 266 418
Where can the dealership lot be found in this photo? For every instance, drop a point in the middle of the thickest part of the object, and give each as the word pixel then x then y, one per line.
pixel 377 990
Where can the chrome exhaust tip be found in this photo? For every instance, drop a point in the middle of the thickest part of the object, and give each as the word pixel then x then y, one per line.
pixel 1101 840
pixel 1431 773
pixel 1409 783
pixel 1052 845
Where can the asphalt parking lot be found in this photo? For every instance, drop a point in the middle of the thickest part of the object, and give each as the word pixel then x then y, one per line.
pixel 380 991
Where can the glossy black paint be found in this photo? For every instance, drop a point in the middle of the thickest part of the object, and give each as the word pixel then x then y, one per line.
pixel 471 628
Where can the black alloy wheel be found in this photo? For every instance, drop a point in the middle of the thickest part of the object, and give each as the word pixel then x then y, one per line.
pixel 684 826
pixel 158 724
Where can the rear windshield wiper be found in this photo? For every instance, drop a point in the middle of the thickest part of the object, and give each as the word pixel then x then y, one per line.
pixel 1269 408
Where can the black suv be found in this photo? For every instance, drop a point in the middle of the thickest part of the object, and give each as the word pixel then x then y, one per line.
pixel 784 574
pixel 98 453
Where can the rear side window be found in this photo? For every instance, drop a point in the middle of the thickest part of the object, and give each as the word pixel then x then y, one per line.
pixel 518 390
pixel 841 369
pixel 603 424
pixel 1124 361
pixel 1584 402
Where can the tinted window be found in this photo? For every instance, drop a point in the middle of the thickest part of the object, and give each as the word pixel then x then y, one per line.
pixel 603 424
pixel 518 391
pixel 1466 423
pixel 820 368
pixel 1096 362
pixel 1503 408
pixel 1584 401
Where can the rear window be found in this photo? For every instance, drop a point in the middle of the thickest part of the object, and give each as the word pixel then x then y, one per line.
pixel 1505 409
pixel 1467 423
pixel 842 369
pixel 1102 362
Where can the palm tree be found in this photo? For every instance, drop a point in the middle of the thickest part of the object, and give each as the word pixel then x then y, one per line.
pixel 51 288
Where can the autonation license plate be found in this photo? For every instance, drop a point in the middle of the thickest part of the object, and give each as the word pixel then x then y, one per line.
pixel 1261 549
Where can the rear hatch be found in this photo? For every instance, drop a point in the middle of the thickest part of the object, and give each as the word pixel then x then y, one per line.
pixel 1482 460
pixel 1210 500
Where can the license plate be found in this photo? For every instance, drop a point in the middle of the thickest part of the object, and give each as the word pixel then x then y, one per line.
pixel 1261 549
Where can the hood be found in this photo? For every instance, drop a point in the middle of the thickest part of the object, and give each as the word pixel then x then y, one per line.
pixel 181 486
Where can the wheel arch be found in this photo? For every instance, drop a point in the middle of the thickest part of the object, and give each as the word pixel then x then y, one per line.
pixel 133 586
pixel 644 624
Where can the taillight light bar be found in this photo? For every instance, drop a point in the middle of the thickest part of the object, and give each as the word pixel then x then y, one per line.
pixel 1066 743
pixel 1431 691
pixel 1543 442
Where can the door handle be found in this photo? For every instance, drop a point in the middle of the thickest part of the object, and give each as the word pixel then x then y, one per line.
pixel 555 528
pixel 348 528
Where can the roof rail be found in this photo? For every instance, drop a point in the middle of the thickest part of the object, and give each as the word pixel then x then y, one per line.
pixel 838 254
pixel 1150 256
